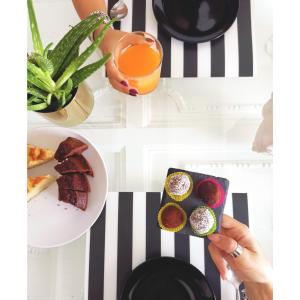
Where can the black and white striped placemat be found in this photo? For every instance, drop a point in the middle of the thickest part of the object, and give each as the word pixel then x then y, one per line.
pixel 126 234
pixel 228 56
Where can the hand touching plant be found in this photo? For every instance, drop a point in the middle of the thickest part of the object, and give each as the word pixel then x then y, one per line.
pixel 54 75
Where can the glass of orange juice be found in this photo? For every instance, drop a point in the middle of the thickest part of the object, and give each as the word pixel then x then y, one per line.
pixel 138 56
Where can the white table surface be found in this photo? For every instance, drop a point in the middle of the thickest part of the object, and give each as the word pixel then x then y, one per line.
pixel 206 125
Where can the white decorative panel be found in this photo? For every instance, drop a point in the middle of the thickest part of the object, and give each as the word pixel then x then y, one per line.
pixel 57 273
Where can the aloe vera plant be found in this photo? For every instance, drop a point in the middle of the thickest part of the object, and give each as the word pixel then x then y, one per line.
pixel 54 73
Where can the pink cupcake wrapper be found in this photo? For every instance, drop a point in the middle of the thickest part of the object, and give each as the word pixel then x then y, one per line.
pixel 219 186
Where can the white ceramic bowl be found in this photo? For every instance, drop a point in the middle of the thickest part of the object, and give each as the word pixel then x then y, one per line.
pixel 51 222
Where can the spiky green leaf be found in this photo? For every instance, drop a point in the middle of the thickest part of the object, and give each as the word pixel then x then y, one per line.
pixel 41 75
pixel 86 71
pixel 36 38
pixel 32 79
pixel 36 92
pixel 72 68
pixel 37 107
pixel 46 50
pixel 74 53
pixel 68 87
pixel 71 40
pixel 44 63
pixel 34 99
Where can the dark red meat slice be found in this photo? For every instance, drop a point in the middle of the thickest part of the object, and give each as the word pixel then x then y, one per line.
pixel 82 200
pixel 69 147
pixel 74 164
pixel 79 199
pixel 67 196
pixel 74 181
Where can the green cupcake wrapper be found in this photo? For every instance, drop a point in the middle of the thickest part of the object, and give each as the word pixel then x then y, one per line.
pixel 212 229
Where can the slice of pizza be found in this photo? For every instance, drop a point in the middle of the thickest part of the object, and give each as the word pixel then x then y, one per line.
pixel 37 184
pixel 37 155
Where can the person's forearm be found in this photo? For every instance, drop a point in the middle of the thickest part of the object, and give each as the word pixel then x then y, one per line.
pixel 259 291
pixel 85 7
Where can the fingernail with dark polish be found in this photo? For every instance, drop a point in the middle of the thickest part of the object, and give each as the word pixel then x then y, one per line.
pixel 124 83
pixel 133 92
pixel 149 40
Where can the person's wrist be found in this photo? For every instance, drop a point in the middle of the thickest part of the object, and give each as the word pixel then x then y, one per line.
pixel 104 46
pixel 259 291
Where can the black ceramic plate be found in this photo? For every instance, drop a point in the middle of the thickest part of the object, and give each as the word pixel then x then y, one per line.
pixel 195 21
pixel 167 278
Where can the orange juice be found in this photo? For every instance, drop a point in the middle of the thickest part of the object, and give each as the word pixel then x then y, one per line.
pixel 140 63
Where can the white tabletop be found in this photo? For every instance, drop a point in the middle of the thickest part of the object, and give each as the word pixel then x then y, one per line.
pixel 205 125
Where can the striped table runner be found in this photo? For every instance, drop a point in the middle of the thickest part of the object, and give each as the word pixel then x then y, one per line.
pixel 126 234
pixel 228 56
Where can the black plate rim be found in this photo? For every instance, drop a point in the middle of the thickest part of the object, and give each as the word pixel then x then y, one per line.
pixel 165 258
pixel 168 29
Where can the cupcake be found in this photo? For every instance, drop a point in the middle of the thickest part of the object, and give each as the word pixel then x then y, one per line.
pixel 171 217
pixel 203 221
pixel 210 192
pixel 179 185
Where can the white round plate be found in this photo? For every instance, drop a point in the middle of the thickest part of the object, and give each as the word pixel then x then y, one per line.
pixel 51 222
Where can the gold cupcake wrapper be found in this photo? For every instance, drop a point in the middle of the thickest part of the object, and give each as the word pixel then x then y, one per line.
pixel 178 198
pixel 176 229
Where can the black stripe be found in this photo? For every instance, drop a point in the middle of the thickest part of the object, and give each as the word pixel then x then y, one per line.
pixel 96 263
pixel 240 213
pixel 138 15
pixel 124 240
pixel 152 230
pixel 182 247
pixel 190 60
pixel 245 39
pixel 218 57
pixel 240 207
pixel 211 271
pixel 110 4
pixel 165 41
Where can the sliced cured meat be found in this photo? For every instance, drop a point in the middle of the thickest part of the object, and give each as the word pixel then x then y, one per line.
pixel 74 164
pixel 69 147
pixel 79 199
pixel 74 181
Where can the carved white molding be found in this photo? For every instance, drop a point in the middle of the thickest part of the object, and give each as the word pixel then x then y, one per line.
pixel 197 157
pixel 35 252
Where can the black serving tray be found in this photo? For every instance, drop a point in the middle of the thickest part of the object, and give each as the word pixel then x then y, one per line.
pixel 193 201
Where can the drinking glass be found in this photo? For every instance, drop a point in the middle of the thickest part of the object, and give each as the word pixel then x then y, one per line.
pixel 138 57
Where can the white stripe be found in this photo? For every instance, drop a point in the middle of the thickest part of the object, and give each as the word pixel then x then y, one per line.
pixel 139 229
pixel 167 243
pixel 227 290
pixel 126 23
pixel 150 22
pixel 177 51
pixel 204 60
pixel 228 210
pixel 232 51
pixel 111 247
pixel 197 253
